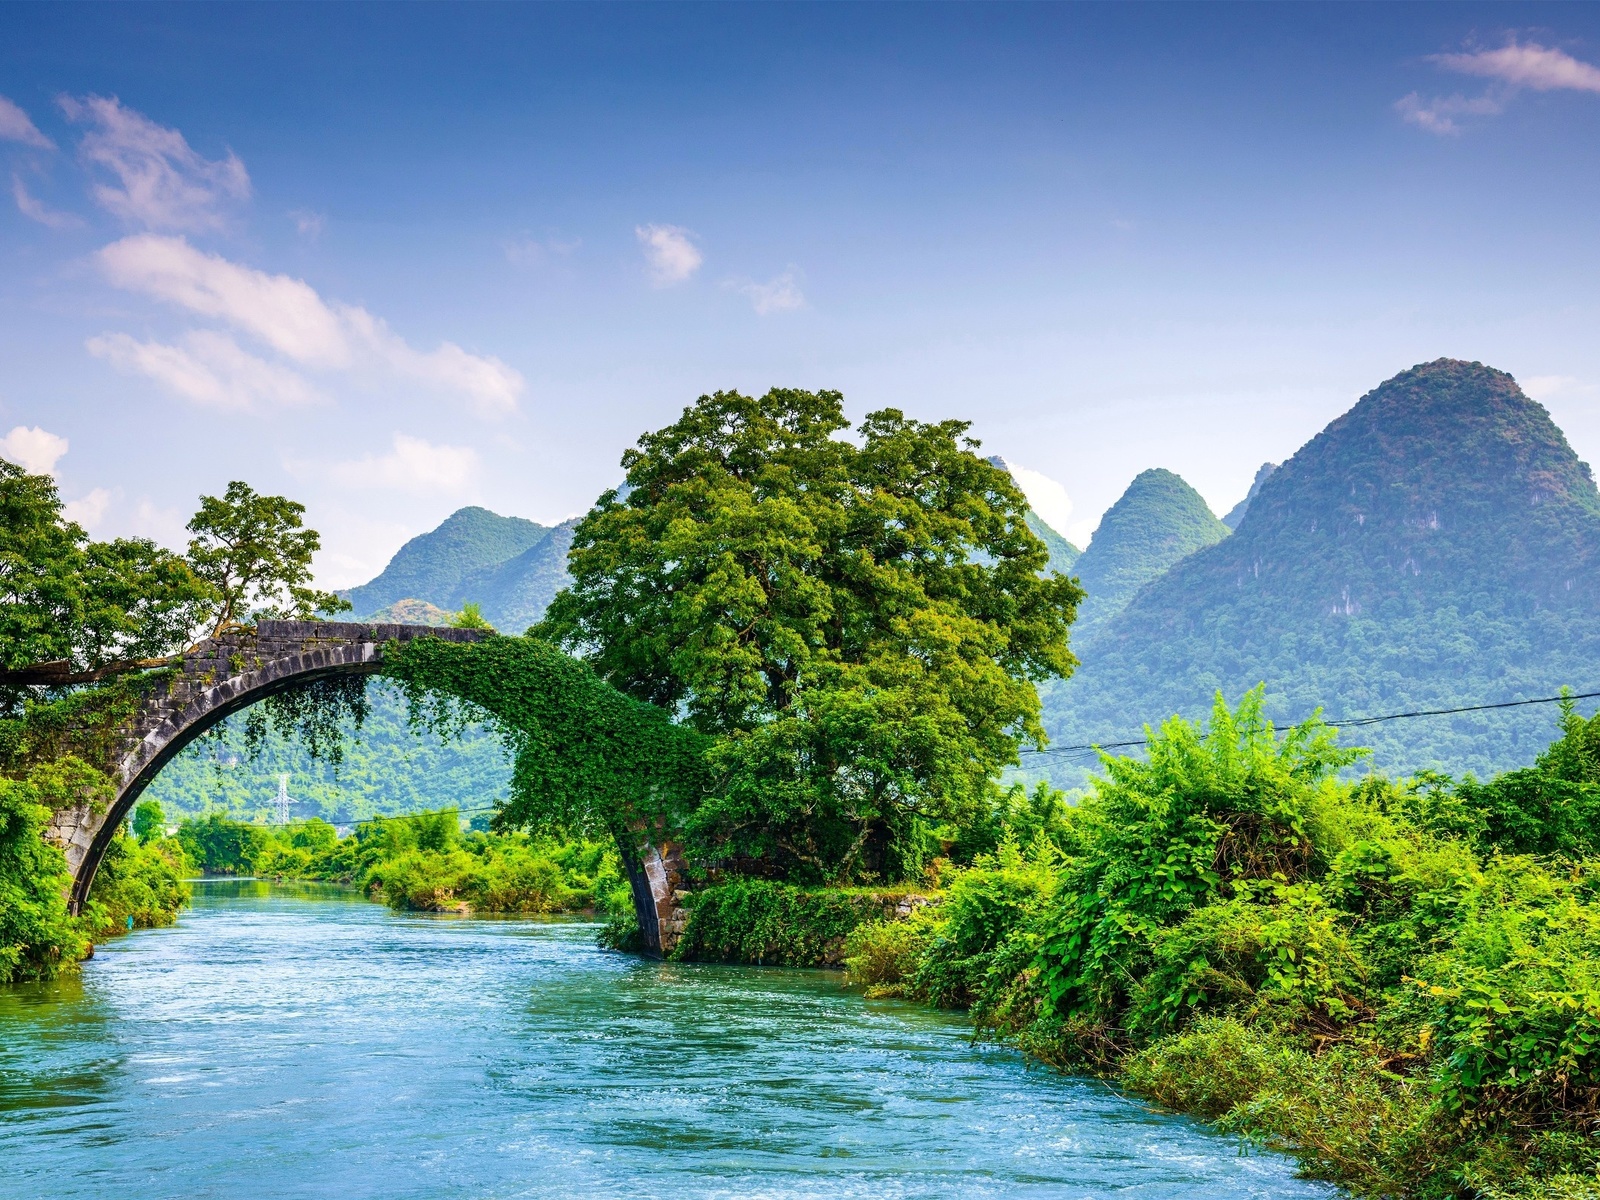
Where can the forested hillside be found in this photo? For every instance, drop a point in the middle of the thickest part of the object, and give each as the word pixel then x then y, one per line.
pixel 1157 521
pixel 432 565
pixel 1437 545
pixel 387 768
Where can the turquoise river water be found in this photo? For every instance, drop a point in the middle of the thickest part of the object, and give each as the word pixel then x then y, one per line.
pixel 298 1042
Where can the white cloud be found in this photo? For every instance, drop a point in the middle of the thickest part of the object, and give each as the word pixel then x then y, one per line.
pixel 30 206
pixel 208 368
pixel 1530 66
pixel 308 224
pixel 779 294
pixel 17 126
pixel 414 466
pixel 1438 114
pixel 89 510
pixel 288 315
pixel 1045 496
pixel 161 182
pixel 33 449
pixel 670 253
pixel 1511 68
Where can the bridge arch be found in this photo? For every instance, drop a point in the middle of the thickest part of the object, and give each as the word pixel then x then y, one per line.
pixel 224 675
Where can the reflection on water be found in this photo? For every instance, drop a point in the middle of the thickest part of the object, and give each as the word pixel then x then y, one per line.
pixel 294 1041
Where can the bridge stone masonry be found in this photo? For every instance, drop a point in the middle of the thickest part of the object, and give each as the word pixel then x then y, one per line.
pixel 226 674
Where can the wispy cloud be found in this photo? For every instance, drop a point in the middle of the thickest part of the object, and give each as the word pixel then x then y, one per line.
pixel 33 449
pixel 528 251
pixel 308 224
pixel 1438 114
pixel 161 182
pixel 414 465
pixel 288 315
pixel 207 368
pixel 1511 68
pixel 1526 65
pixel 89 510
pixel 671 255
pixel 17 126
pixel 779 294
pixel 30 205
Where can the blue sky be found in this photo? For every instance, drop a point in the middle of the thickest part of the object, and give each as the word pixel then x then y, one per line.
pixel 395 260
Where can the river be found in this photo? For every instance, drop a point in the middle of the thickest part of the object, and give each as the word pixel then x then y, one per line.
pixel 298 1042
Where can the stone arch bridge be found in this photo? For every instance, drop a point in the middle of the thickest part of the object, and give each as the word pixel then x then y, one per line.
pixel 223 675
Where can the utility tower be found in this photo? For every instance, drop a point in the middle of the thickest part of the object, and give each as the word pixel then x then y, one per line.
pixel 283 799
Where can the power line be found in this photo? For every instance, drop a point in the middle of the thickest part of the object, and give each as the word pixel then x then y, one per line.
pixel 1091 748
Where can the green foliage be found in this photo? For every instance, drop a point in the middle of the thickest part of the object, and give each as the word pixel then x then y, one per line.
pixel 589 760
pixel 254 553
pixel 37 936
pixel 777 924
pixel 219 846
pixel 148 821
pixel 1552 807
pixel 858 625
pixel 419 862
pixel 470 617
pixel 84 604
pixel 141 882
pixel 1063 554
pixel 1207 811
pixel 1437 545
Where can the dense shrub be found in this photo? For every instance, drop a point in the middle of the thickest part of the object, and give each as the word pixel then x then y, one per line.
pixel 144 883
pixel 777 924
pixel 37 936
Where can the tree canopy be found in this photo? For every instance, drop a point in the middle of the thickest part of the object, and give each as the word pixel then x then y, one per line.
pixel 73 611
pixel 859 622
pixel 255 553
pixel 80 605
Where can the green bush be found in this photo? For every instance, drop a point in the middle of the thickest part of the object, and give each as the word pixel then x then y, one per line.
pixel 37 936
pixel 142 882
pixel 776 924
pixel 882 957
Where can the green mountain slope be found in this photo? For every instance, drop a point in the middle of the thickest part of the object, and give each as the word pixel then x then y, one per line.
pixel 1437 545
pixel 432 565
pixel 1157 521
pixel 515 593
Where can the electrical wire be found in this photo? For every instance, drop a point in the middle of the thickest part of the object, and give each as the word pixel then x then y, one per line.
pixel 1090 749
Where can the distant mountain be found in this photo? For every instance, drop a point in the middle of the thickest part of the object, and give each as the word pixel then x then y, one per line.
pixel 1436 546
pixel 515 593
pixel 1236 513
pixel 431 566
pixel 1157 521
pixel 411 612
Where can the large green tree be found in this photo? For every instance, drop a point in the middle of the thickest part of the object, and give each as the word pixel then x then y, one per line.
pixel 858 620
